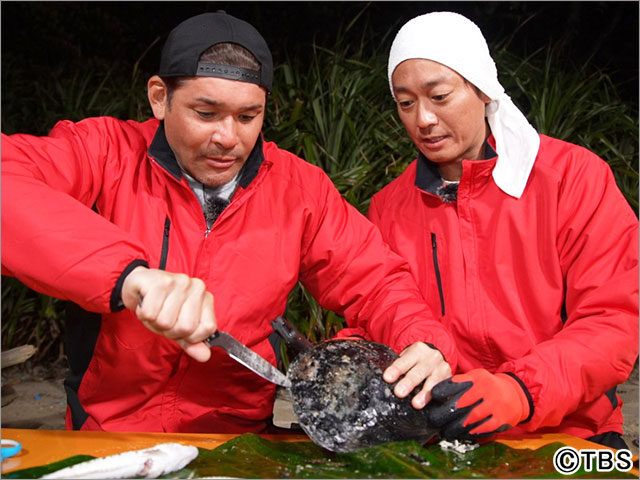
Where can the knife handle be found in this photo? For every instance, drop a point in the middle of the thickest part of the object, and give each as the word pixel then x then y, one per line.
pixel 292 337
pixel 210 341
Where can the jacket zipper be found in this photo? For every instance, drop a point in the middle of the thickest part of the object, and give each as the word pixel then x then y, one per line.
pixel 434 248
pixel 165 244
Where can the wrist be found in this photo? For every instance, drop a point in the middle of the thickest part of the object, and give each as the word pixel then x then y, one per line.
pixel 520 393
pixel 116 301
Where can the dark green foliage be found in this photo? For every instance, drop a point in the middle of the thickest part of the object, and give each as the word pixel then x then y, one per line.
pixel 31 318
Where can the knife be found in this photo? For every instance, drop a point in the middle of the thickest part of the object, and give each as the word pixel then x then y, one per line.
pixel 247 357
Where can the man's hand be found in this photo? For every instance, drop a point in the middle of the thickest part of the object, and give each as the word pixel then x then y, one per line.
pixel 477 404
pixel 173 305
pixel 417 363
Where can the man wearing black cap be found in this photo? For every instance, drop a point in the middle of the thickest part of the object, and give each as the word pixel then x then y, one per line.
pixel 148 223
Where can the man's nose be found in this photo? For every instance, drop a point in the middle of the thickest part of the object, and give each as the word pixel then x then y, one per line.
pixel 224 134
pixel 426 117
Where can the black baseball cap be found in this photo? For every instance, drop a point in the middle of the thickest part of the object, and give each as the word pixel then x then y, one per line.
pixel 191 38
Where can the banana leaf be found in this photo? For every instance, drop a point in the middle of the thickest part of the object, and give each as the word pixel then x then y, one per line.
pixel 250 456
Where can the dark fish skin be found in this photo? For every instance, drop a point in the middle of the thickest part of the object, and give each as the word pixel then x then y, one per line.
pixel 343 403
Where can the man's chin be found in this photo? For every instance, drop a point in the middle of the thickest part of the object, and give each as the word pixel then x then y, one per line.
pixel 217 180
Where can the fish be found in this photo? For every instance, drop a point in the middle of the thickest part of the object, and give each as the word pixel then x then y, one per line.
pixel 342 402
pixel 147 463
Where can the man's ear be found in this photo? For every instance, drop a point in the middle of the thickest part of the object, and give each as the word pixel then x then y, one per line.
pixel 158 96
pixel 481 95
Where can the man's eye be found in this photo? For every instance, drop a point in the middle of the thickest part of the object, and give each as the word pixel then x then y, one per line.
pixel 405 103
pixel 440 98
pixel 247 118
pixel 205 114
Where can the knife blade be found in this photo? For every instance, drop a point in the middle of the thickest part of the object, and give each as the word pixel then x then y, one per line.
pixel 247 357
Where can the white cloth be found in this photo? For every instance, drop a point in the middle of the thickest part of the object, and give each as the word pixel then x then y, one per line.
pixel 456 42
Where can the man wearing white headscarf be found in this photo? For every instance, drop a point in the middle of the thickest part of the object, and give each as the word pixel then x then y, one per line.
pixel 523 242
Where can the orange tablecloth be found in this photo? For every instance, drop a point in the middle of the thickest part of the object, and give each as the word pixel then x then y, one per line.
pixel 40 447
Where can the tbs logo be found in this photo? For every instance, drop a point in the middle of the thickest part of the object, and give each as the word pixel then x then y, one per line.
pixel 567 460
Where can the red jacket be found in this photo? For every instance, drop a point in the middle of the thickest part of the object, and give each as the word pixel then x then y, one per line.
pixel 288 223
pixel 544 286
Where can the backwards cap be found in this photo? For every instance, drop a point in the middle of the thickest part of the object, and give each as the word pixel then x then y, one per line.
pixel 191 38
pixel 457 43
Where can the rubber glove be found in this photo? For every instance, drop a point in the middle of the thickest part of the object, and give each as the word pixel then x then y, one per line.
pixel 477 404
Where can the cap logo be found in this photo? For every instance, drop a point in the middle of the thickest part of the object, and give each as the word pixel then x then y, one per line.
pixel 230 72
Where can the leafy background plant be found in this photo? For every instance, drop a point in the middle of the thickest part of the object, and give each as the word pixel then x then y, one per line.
pixel 330 105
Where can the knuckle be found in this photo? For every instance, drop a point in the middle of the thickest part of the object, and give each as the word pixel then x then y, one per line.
pixel 405 360
pixel 162 322
pixel 393 369
pixel 209 324
pixel 199 284
pixel 407 383
pixel 414 376
pixel 208 298
pixel 181 331
pixel 194 286
pixel 142 315
pixel 181 280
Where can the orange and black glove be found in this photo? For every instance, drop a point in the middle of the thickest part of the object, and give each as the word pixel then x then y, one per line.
pixel 478 404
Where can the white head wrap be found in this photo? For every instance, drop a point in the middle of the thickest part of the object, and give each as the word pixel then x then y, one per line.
pixel 456 42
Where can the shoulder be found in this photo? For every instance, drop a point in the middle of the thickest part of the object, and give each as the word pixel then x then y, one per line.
pixel 576 176
pixel 107 129
pixel 562 166
pixel 565 158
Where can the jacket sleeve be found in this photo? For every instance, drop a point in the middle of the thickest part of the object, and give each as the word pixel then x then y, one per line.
pixel 349 269
pixel 596 349
pixel 52 240
pixel 374 211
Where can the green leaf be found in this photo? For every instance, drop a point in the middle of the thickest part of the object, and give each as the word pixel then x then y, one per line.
pixel 251 456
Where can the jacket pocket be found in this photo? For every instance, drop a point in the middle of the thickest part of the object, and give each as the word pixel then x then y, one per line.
pixel 165 244
pixel 436 268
